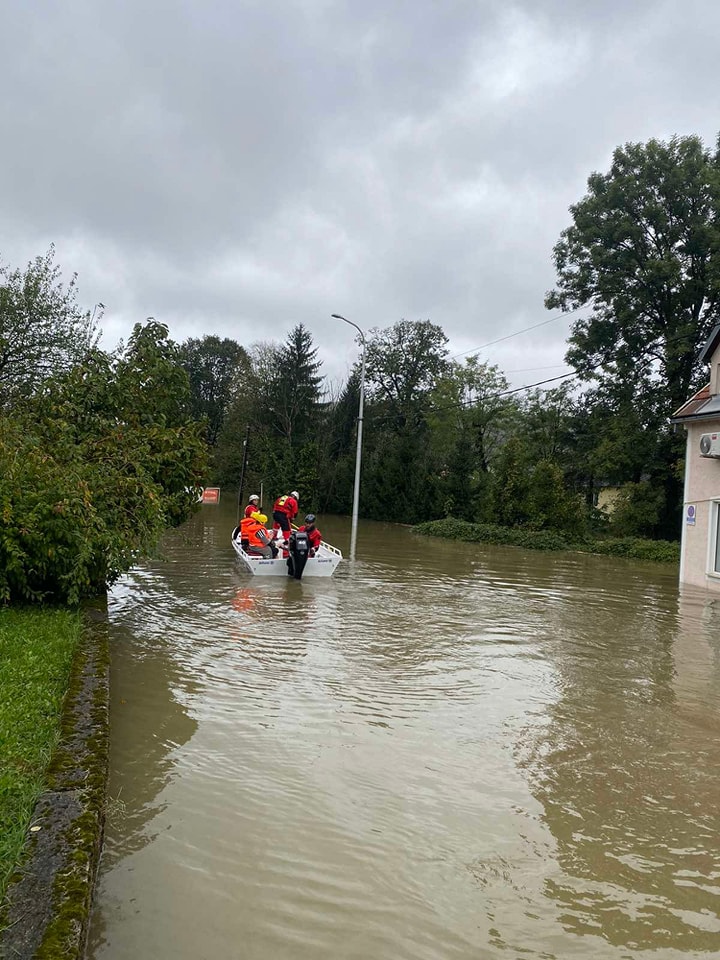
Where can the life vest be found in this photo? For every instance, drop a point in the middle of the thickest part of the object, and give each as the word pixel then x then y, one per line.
pixel 249 531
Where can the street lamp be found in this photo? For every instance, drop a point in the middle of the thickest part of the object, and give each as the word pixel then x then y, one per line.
pixel 358 454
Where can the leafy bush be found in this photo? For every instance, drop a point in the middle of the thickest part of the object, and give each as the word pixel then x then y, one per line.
pixel 92 473
pixel 661 551
pixel 637 509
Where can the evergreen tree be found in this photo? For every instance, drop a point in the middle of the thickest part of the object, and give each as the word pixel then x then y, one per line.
pixel 295 389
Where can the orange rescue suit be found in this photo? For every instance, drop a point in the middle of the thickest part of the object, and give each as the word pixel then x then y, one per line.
pixel 249 529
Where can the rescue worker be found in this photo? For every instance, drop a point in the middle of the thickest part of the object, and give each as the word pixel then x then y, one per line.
pixel 253 532
pixel 253 505
pixel 314 535
pixel 285 509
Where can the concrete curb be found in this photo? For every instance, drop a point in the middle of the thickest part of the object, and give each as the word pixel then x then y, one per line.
pixel 48 901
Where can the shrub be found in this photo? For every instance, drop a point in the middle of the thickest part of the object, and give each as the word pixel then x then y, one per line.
pixel 637 509
pixel 104 460
pixel 661 551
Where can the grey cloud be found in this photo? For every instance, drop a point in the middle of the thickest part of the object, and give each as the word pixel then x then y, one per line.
pixel 238 168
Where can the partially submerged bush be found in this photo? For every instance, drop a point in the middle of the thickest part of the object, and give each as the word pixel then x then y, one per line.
pixel 661 551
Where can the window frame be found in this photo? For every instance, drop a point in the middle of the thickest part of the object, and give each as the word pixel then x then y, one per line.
pixel 713 557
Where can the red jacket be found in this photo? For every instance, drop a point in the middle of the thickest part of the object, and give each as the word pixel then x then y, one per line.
pixel 250 509
pixel 314 536
pixel 288 505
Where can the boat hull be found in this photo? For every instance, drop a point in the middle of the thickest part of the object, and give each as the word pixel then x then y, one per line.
pixel 323 564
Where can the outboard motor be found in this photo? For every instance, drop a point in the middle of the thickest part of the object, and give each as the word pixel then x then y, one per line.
pixel 298 552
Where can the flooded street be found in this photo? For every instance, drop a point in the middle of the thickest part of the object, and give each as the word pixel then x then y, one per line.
pixel 445 751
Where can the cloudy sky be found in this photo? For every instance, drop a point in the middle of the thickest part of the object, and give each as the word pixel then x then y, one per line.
pixel 235 168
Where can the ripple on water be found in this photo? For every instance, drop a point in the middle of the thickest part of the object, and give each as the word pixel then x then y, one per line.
pixel 444 751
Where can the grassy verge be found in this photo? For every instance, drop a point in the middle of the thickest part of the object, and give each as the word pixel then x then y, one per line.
pixel 634 548
pixel 36 653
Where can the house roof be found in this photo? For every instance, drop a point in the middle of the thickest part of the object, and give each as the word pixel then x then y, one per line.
pixel 703 406
pixel 712 342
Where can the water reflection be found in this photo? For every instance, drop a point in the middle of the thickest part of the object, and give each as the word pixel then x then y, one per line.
pixel 626 780
pixel 443 751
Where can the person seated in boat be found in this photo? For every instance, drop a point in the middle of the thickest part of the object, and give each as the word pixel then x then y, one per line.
pixel 285 509
pixel 314 535
pixel 259 542
pixel 253 505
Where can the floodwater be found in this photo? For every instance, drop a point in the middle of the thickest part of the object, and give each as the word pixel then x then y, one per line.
pixel 445 751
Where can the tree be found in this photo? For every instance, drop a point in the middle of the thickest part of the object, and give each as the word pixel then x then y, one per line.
pixel 402 364
pixel 215 368
pixel 468 419
pixel 550 505
pixel 511 484
pixel 93 468
pixel 642 254
pixel 42 329
pixel 295 388
pixel 399 477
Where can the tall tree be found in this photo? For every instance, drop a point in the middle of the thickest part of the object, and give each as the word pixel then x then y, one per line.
pixel 469 417
pixel 43 331
pixel 295 388
pixel 402 366
pixel 642 255
pixel 403 363
pixel 215 368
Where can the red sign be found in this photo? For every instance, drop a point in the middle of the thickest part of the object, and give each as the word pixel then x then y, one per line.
pixel 211 495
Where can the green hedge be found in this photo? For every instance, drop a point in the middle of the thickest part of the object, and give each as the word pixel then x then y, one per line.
pixel 661 551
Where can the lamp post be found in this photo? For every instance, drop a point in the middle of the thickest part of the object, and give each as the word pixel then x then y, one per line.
pixel 358 453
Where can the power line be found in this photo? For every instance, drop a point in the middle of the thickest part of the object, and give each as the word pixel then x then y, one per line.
pixel 504 393
pixel 552 366
pixel 517 333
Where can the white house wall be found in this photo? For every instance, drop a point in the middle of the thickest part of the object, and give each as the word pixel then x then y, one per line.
pixel 702 487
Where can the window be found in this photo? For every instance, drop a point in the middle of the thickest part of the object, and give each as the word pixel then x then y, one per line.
pixel 714 552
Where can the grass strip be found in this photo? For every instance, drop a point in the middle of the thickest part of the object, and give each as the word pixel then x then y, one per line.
pixel 633 548
pixel 36 653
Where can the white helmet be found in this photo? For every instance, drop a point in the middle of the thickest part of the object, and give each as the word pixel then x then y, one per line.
pixel 294 493
pixel 254 496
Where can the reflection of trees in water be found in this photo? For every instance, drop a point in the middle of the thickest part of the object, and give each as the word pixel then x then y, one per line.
pixel 629 788
pixel 147 722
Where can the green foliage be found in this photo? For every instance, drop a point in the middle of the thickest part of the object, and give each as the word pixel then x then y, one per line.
pixel 94 470
pixel 659 551
pixel 511 483
pixel 402 366
pixel 294 389
pixel 637 548
pixel 643 255
pixel 42 329
pixel 637 509
pixel 551 506
pixel 451 529
pixel 215 369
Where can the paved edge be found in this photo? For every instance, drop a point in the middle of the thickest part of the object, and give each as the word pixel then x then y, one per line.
pixel 48 901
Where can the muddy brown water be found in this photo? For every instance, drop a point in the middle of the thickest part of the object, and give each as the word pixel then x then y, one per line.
pixel 445 751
